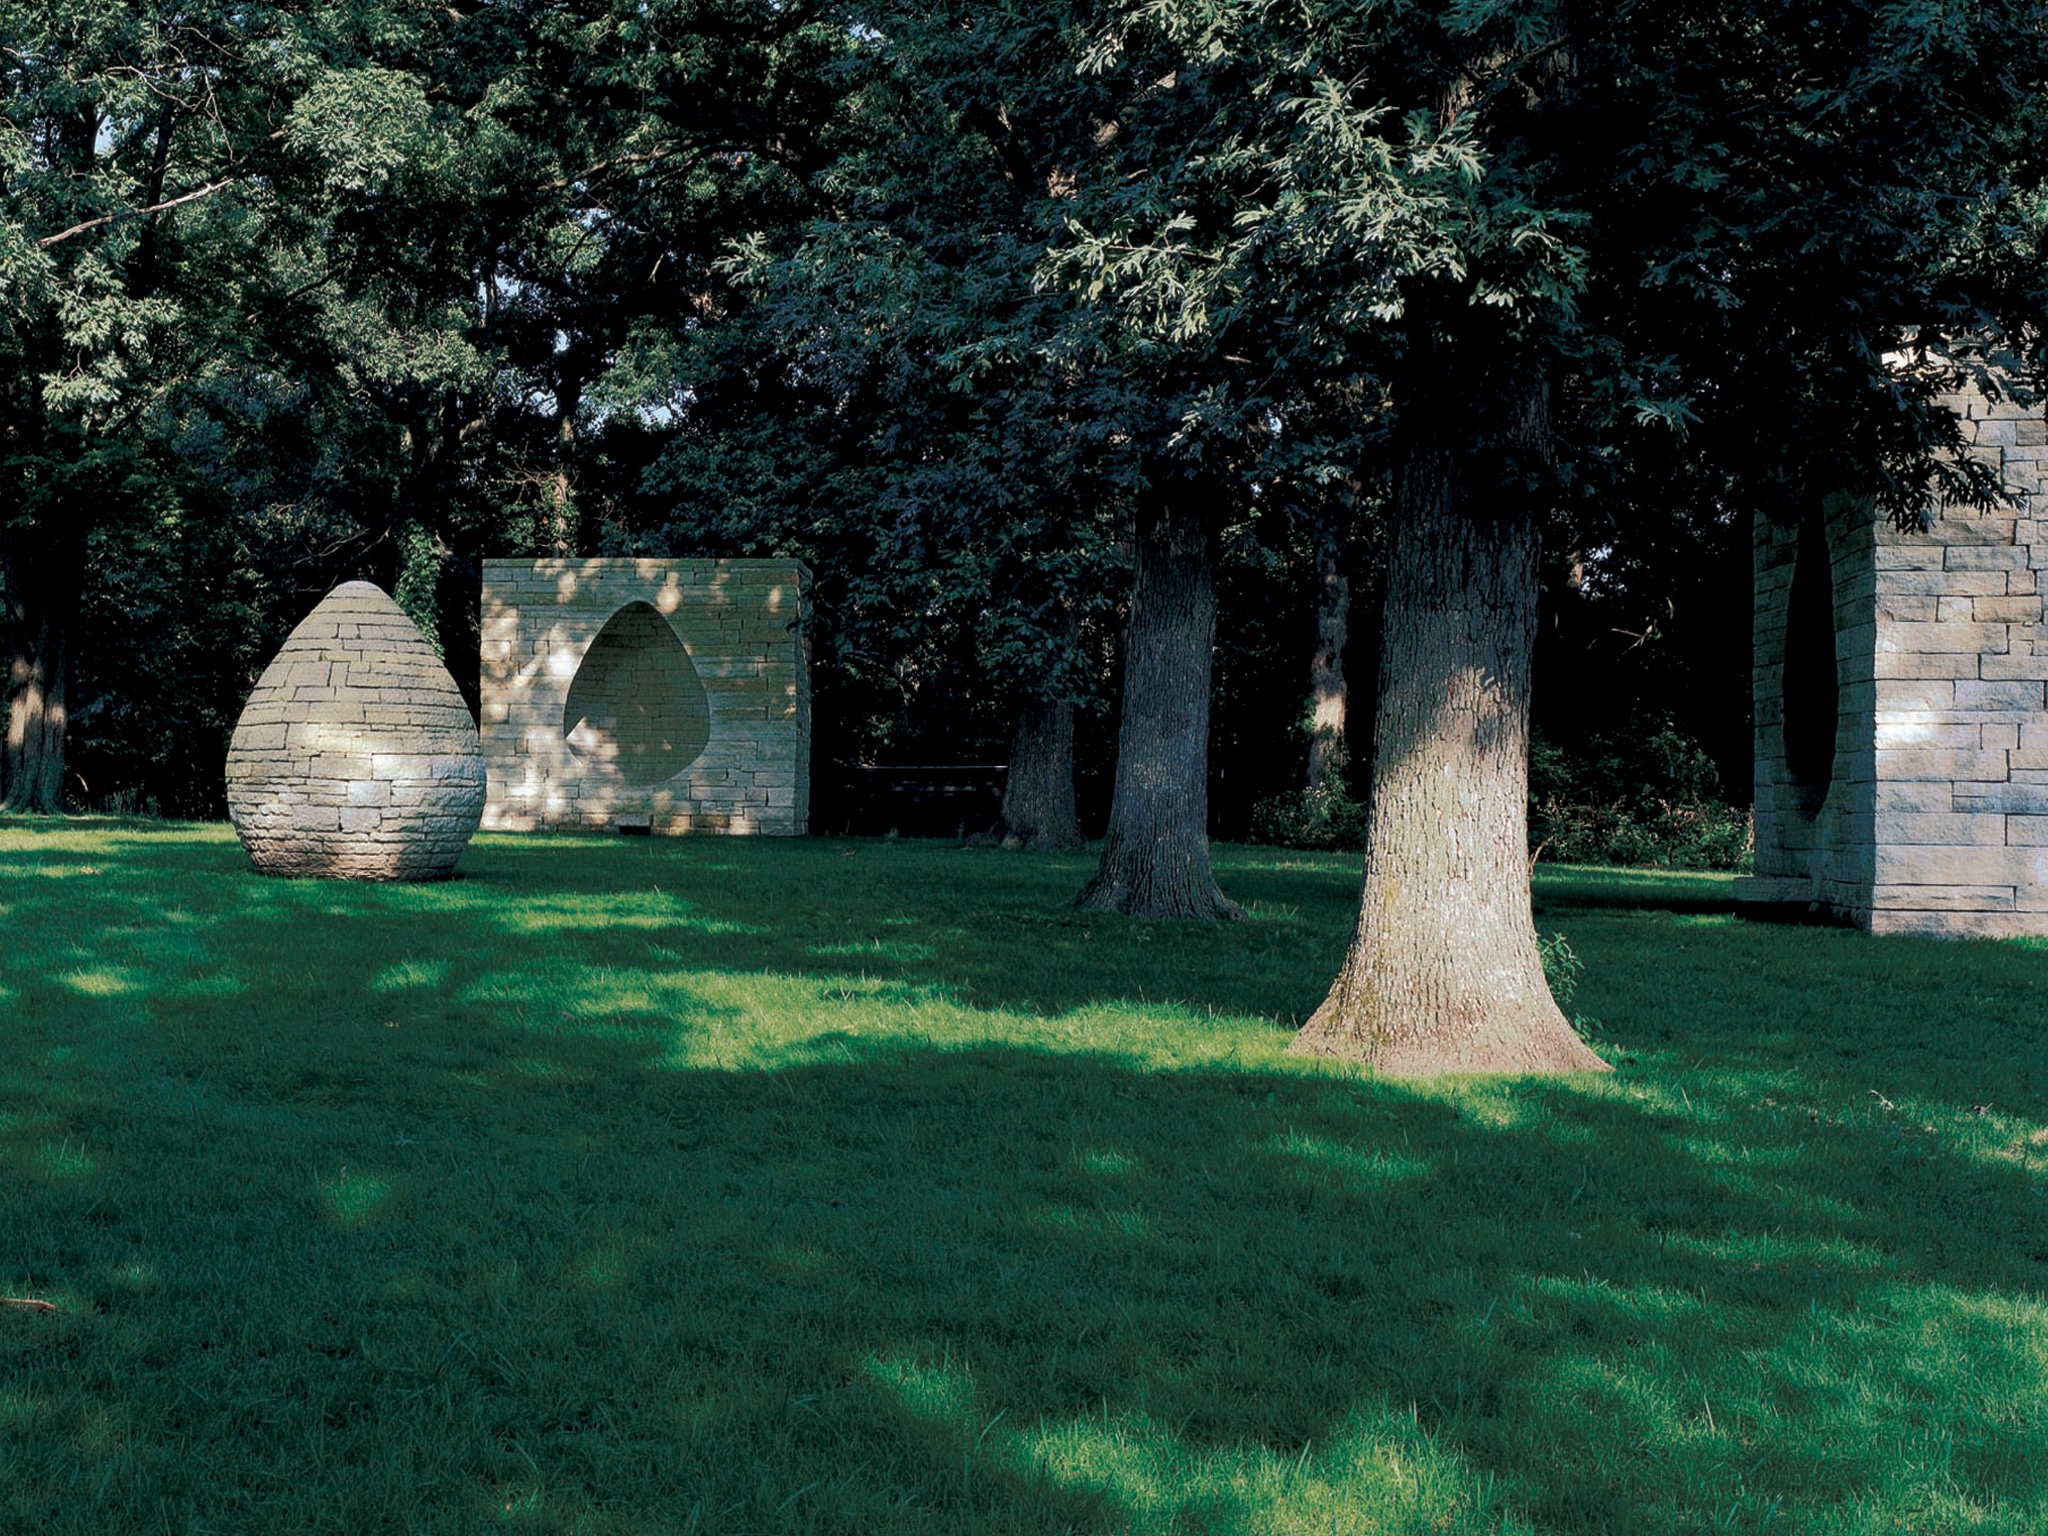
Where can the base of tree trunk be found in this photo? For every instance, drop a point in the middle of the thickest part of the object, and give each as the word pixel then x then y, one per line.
pixel 1411 1029
pixel 1173 885
pixel 32 756
pixel 1444 974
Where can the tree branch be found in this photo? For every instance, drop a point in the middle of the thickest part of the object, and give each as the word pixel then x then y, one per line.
pixel 136 213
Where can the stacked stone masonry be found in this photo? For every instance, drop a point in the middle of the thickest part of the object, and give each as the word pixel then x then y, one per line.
pixel 665 695
pixel 355 758
pixel 1931 817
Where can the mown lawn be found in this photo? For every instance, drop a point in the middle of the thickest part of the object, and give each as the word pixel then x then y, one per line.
pixel 718 1186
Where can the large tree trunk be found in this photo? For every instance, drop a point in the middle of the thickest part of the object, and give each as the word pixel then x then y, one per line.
pixel 41 599
pixel 1326 747
pixel 1443 973
pixel 1038 794
pixel 1155 860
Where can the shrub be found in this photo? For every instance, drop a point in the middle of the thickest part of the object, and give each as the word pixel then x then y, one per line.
pixel 1648 796
pixel 1325 817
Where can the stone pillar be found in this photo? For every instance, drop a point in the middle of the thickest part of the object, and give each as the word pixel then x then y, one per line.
pixel 1934 817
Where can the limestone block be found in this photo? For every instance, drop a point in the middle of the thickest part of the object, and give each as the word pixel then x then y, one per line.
pixel 1957 923
pixel 1917 694
pixel 1898 557
pixel 2017 695
pixel 2025 609
pixel 1956 829
pixel 2005 799
pixel 1947 583
pixel 1986 557
pixel 1970 639
pixel 2013 667
pixel 1912 664
pixel 377 778
pixel 1957 526
pixel 1949 766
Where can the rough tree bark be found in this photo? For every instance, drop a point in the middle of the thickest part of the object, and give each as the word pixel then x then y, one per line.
pixel 1038 794
pixel 1443 974
pixel 1328 699
pixel 42 581
pixel 1155 858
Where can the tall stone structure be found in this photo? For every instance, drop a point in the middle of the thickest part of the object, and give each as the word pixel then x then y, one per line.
pixel 355 757
pixel 1901 723
pixel 646 696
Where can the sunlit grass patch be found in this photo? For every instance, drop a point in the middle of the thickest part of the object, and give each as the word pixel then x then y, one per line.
pixel 354 1198
pixel 103 981
pixel 656 1186
pixel 405 975
pixel 64 1161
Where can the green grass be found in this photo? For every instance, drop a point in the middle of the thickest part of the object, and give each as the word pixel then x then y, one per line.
pixel 720 1186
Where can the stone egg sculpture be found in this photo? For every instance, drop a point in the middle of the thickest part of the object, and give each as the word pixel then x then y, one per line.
pixel 355 758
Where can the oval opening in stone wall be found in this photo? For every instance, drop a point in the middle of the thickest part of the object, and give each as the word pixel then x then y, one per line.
pixel 637 702
pixel 1812 690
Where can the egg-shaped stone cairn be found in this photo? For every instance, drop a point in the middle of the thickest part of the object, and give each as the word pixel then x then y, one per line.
pixel 356 758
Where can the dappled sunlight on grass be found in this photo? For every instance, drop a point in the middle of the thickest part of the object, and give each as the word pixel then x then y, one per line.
pixel 64 1161
pixel 567 916
pixel 105 981
pixel 408 974
pixel 1376 1472
pixel 353 1198
pixel 1356 1168
pixel 644 1186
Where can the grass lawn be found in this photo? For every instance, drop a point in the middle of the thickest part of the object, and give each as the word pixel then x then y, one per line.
pixel 720 1186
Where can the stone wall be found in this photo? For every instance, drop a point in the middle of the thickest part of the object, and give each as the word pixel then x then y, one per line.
pixel 1934 816
pixel 669 695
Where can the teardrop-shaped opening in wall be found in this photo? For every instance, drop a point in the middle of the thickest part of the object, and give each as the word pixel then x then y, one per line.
pixel 1813 699
pixel 637 703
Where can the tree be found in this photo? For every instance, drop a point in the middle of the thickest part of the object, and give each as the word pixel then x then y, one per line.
pixel 109 123
pixel 343 290
pixel 891 397
pixel 1190 420
pixel 1538 235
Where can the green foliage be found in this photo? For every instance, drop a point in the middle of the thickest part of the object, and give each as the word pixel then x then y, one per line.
pixel 892 396
pixel 629 1185
pixel 1562 967
pixel 417 588
pixel 1686 233
pixel 1325 817
pixel 1641 795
